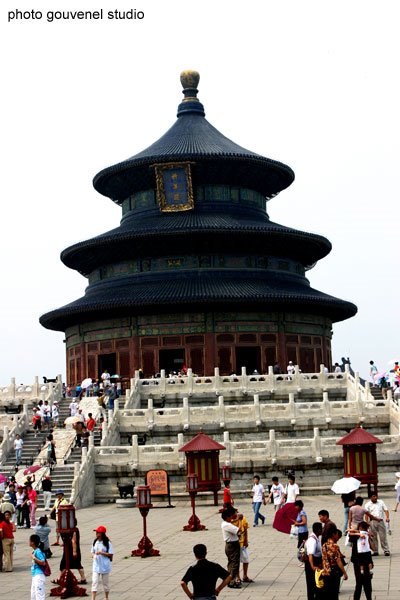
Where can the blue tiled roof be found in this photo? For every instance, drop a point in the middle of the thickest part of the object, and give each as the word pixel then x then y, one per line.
pixel 216 160
pixel 194 232
pixel 206 290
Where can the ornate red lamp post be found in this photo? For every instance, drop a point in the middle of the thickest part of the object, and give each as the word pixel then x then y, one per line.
pixel 192 486
pixel 143 503
pixel 68 583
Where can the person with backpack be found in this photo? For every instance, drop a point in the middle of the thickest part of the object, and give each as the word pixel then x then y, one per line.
pixel 313 560
pixel 102 554
pixel 38 587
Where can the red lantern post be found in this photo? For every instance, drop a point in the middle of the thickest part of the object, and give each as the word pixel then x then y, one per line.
pixel 192 487
pixel 143 503
pixel 68 583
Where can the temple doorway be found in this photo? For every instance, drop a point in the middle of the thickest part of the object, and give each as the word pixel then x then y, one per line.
pixel 171 360
pixel 107 362
pixel 249 357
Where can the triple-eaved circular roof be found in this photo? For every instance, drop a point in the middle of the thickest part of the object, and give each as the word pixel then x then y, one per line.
pixel 216 158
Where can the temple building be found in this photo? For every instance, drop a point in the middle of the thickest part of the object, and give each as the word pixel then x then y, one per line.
pixel 196 274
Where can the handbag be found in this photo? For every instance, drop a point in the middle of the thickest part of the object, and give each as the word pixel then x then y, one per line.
pixel 46 568
pixel 53 514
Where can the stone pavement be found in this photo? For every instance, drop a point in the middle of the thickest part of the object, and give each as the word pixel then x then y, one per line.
pixel 273 566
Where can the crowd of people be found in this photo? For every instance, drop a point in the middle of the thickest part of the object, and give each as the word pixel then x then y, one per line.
pixel 18 510
pixel 365 527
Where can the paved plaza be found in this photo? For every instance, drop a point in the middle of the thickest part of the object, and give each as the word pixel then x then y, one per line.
pixel 273 566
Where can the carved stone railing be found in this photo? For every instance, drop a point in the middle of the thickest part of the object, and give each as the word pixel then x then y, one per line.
pixel 83 484
pixel 15 395
pixel 260 453
pixel 110 432
pixel 21 423
pixel 251 412
pixel 237 385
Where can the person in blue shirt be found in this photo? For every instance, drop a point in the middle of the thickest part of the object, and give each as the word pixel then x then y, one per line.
pixel 102 554
pixel 38 591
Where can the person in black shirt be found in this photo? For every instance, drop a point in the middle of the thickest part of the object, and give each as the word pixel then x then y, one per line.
pixel 204 575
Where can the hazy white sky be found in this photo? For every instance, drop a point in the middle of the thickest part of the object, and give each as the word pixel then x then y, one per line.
pixel 312 84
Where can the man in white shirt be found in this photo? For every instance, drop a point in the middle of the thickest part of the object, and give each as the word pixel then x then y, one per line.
pixel 18 443
pixel 258 499
pixel 232 546
pixel 291 489
pixel 290 368
pixel 377 508
pixel 73 408
pixel 314 559
pixel 277 493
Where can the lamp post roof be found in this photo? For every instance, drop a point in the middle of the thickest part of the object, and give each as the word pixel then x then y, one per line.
pixel 358 437
pixel 201 443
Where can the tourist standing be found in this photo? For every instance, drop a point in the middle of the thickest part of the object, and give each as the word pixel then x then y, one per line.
pixel 102 554
pixel 6 504
pixel 327 524
pixel 32 497
pixel 18 443
pixel 55 413
pixel 362 561
pixel 230 534
pixel 47 485
pixel 204 576
pixel 301 523
pixel 290 368
pixel 277 493
pixel 38 591
pixel 258 499
pixel 332 562
pixel 348 501
pixel 314 560
pixel 73 408
pixel 7 529
pixel 244 546
pixel 43 530
pixel 59 501
pixel 291 490
pixel 378 509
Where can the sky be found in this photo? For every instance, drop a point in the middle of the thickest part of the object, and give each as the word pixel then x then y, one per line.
pixel 312 84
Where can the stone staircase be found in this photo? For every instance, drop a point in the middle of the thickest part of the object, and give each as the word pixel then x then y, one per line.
pixel 31 448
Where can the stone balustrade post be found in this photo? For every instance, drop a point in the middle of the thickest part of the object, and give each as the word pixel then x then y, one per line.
pixel 77 467
pixel 110 415
pixel 273 449
pixel 221 411
pixel 135 452
pixel 84 453
pixel 316 443
pixel 12 387
pixel 35 387
pixel 181 455
pixel 217 380
pixel 257 410
pixel 150 413
pixel 190 381
pixel 326 405
pixel 244 381
pixel 91 441
pixel 292 408
pixel 116 405
pixel 186 413
pixel 227 444
pixel 271 378
pixel 137 374
pixel 25 409
pixel 162 382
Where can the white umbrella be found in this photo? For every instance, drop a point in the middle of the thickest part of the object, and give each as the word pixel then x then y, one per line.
pixel 86 382
pixel 345 485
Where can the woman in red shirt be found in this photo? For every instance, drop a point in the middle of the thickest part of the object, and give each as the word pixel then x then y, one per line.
pixel 7 529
